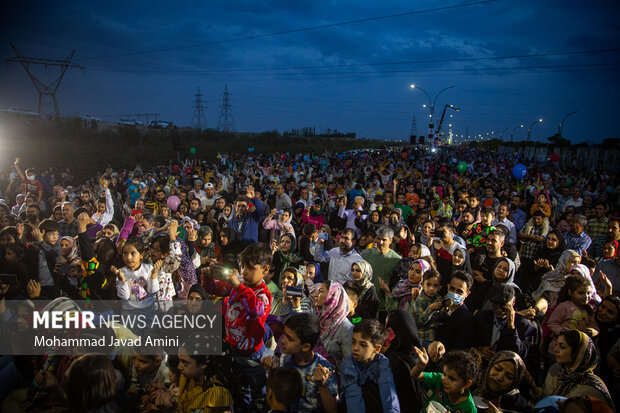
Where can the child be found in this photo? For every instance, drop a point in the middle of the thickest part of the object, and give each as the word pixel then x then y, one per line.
pixel 138 281
pixel 147 369
pixel 354 295
pixel 301 332
pixel 200 388
pixel 246 308
pixel 450 388
pixel 426 305
pixel 283 389
pixel 366 375
pixel 167 250
pixel 47 237
pixel 68 259
pixel 573 310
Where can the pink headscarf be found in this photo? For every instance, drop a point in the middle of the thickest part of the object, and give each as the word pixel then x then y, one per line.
pixel 334 310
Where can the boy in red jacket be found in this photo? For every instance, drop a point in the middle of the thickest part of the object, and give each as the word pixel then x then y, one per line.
pixel 246 307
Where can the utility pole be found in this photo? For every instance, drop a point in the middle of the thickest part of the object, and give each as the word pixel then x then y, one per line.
pixel 414 132
pixel 226 123
pixel 43 89
pixel 199 121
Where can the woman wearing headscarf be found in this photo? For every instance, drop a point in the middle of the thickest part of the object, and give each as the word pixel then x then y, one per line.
pixel 460 261
pixel 284 305
pixel 402 358
pixel 573 374
pixel 332 304
pixel 368 303
pixel 403 292
pixel 546 295
pixel 608 319
pixel 531 271
pixel 229 247
pixel 284 256
pixel 503 273
pixel 500 383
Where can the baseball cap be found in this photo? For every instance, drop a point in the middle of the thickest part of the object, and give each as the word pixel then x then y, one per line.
pixel 208 185
pixel 501 293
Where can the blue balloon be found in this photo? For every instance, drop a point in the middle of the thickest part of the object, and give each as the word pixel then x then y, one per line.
pixel 294 167
pixel 519 171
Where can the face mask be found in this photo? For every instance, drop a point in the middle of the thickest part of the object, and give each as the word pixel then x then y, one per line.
pixel 456 299
pixel 31 177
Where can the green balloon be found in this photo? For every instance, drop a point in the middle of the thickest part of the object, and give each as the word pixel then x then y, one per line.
pixel 461 166
pixel 192 150
pixel 569 181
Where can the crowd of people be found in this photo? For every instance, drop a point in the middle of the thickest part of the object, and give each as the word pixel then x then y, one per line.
pixel 375 280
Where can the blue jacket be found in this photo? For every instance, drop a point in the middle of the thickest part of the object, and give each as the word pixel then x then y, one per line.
pixel 353 376
pixel 247 228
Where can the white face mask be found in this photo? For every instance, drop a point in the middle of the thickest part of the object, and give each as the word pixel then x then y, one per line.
pixel 31 177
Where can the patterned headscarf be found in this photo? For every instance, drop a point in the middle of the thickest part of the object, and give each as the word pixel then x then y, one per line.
pixel 73 257
pixel 553 281
pixel 585 272
pixel 334 311
pixel 402 290
pixel 499 357
pixel 366 282
pixel 581 371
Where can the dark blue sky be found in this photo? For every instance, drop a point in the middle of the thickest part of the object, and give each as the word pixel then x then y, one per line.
pixel 352 77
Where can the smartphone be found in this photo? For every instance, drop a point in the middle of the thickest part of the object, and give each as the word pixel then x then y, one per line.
pixel 10 279
pixel 302 269
pixel 323 236
pixel 279 212
pixel 294 292
pixel 219 272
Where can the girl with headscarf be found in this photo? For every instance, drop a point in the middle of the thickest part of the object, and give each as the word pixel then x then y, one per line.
pixel 573 374
pixel 284 305
pixel 336 331
pixel 204 247
pixel 582 270
pixel 460 261
pixel 499 384
pixel 368 303
pixel 546 295
pixel 531 272
pixel 610 250
pixel 402 358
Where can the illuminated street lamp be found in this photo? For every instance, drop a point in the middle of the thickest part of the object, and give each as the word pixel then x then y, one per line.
pixel 512 135
pixel 431 103
pixel 562 123
pixel 529 130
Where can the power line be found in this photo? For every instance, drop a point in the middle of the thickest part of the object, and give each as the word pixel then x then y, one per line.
pixel 406 62
pixel 303 29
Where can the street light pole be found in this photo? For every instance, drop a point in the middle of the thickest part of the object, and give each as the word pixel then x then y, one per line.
pixel 512 135
pixel 562 122
pixel 501 134
pixel 431 104
pixel 529 130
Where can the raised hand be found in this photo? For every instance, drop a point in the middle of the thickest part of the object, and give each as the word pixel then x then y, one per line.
pixel 33 289
pixel 250 191
pixel 156 268
pixel 321 374
pixel 118 274
pixel 422 356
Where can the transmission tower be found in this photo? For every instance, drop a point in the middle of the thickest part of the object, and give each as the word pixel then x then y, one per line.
pixel 43 89
pixel 414 129
pixel 199 121
pixel 226 123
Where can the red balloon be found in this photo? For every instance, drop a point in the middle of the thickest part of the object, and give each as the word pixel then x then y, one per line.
pixel 555 157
